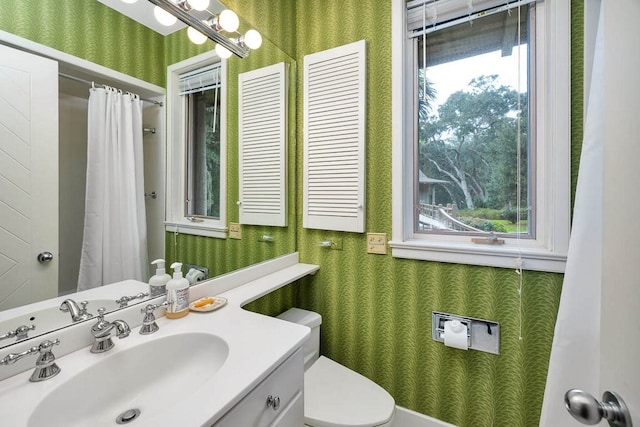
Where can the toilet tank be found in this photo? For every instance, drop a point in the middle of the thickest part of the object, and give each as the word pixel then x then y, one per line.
pixel 311 347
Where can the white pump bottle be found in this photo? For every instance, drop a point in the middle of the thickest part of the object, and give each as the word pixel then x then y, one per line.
pixel 158 282
pixel 177 294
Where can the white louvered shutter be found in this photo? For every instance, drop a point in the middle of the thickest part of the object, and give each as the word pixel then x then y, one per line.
pixel 334 139
pixel 262 105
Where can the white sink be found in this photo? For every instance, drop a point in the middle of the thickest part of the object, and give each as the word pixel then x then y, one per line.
pixel 152 377
pixel 191 372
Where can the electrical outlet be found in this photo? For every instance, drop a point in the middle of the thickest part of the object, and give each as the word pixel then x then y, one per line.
pixel 235 232
pixel 377 243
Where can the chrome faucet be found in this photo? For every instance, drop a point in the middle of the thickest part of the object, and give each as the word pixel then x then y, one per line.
pixel 103 330
pixel 149 324
pixel 124 301
pixel 21 333
pixel 46 366
pixel 77 313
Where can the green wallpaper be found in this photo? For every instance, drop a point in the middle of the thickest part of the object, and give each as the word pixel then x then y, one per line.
pixel 376 309
pixel 89 30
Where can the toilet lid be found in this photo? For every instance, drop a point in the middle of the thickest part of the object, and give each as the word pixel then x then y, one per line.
pixel 335 396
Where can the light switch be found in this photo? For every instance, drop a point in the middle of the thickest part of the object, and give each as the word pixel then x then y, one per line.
pixel 377 243
pixel 235 232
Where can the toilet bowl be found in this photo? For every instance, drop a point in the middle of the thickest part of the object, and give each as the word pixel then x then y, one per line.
pixel 334 395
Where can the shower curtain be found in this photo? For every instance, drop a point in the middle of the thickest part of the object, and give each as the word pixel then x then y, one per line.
pixel 114 246
pixel 575 354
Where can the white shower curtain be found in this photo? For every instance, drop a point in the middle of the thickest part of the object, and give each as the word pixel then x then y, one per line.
pixel 114 246
pixel 575 354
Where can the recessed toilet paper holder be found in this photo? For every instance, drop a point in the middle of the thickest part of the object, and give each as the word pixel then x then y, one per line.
pixel 483 335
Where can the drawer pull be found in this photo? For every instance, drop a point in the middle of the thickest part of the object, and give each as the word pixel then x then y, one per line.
pixel 273 402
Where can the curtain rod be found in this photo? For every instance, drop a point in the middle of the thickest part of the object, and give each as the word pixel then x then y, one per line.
pixel 78 79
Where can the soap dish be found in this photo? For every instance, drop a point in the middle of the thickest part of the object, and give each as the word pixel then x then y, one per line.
pixel 217 303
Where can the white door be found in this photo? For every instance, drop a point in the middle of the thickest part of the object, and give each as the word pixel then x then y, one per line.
pixel 619 371
pixel 620 318
pixel 28 177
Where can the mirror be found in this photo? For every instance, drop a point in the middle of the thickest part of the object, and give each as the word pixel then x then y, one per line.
pixel 218 255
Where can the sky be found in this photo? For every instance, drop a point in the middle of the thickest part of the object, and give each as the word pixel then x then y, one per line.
pixel 453 76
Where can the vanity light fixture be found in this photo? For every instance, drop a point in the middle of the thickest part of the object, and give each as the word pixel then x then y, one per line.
pixel 196 36
pixel 213 28
pixel 164 17
pixel 222 51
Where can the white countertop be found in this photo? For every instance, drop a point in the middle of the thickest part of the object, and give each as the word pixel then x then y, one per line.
pixel 257 344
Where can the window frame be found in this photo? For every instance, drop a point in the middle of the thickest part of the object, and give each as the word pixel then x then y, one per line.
pixel 547 252
pixel 176 218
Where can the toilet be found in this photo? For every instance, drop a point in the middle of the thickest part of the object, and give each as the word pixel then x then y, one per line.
pixel 334 395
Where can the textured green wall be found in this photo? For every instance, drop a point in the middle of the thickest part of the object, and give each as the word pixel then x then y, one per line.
pixel 377 310
pixel 89 30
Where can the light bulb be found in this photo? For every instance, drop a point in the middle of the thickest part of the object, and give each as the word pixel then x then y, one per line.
pixel 253 39
pixel 228 20
pixel 129 1
pixel 196 36
pixel 222 51
pixel 164 17
pixel 198 4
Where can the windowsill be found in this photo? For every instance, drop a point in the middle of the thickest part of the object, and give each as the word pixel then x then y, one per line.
pixel 483 255
pixel 197 229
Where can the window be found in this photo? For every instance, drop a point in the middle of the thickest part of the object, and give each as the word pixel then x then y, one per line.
pixel 481 135
pixel 196 178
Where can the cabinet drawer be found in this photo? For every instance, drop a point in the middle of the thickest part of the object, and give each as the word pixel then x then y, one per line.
pixel 292 415
pixel 282 385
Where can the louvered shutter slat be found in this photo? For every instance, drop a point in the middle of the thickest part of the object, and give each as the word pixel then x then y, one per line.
pixel 334 139
pixel 262 145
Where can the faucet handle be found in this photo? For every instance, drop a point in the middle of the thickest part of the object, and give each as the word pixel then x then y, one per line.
pixel 45 364
pixel 83 314
pixel 21 332
pixel 149 324
pixel 150 308
pixel 124 301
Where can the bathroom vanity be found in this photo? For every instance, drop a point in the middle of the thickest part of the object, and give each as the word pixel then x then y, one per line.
pixel 227 367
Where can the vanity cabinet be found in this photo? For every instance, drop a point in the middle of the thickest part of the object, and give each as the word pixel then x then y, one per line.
pixel 276 402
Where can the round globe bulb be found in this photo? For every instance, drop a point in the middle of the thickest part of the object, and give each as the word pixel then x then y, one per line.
pixel 198 4
pixel 196 36
pixel 228 20
pixel 253 39
pixel 129 1
pixel 222 51
pixel 164 17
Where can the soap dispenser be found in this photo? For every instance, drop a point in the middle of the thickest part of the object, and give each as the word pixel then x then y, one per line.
pixel 158 282
pixel 177 294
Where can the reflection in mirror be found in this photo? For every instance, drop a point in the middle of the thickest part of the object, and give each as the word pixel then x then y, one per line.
pixel 218 255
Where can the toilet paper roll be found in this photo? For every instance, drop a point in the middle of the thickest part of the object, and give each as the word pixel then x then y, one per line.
pixel 194 275
pixel 455 334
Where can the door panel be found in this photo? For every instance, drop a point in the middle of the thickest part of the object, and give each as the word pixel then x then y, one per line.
pixel 28 177
pixel 620 321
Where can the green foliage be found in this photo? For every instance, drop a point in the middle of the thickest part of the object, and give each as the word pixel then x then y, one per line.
pixel 511 215
pixel 484 224
pixel 471 143
pixel 485 213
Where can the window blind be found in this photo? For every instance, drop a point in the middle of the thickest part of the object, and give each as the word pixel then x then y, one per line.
pixel 426 16
pixel 200 80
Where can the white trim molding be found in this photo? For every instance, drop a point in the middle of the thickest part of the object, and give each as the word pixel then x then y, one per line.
pixel 176 220
pixel 547 252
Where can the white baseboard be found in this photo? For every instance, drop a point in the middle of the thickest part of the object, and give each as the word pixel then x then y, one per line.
pixel 408 418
